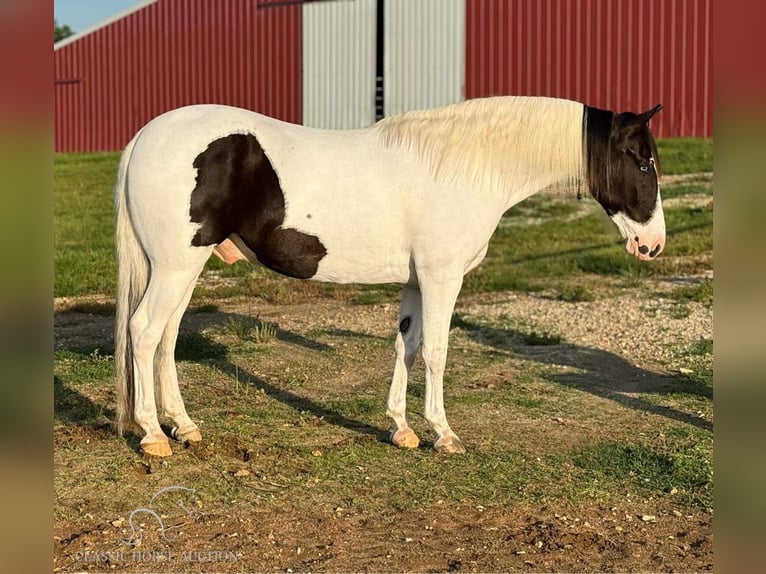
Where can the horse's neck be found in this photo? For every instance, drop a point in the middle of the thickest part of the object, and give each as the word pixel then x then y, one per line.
pixel 504 148
pixel 533 150
pixel 518 189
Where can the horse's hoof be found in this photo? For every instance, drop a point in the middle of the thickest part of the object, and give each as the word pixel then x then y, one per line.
pixel 405 438
pixel 449 445
pixel 157 449
pixel 190 436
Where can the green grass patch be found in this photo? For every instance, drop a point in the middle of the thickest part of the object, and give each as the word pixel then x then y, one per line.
pixel 356 406
pixel 701 292
pixel 84 367
pixel 84 259
pixel 689 472
pixel 685 155
pixel 575 293
pixel 684 190
pixel 376 294
pixel 584 251
pixel 703 346
pixel 680 311
pixel 418 478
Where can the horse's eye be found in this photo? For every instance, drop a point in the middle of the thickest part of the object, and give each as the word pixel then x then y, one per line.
pixel 644 168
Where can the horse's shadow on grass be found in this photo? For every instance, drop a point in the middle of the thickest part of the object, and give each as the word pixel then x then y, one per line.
pixel 75 408
pixel 303 404
pixel 599 372
pixel 72 407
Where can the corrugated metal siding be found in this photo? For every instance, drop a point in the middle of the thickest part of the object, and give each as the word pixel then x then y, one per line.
pixel 424 54
pixel 623 55
pixel 339 63
pixel 169 54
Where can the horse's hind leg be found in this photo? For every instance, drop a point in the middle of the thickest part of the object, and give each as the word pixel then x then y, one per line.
pixel 407 343
pixel 167 290
pixel 172 402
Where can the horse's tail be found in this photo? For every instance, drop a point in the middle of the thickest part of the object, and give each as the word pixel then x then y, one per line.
pixel 132 280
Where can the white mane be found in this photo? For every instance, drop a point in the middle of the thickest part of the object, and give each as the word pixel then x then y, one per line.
pixel 497 142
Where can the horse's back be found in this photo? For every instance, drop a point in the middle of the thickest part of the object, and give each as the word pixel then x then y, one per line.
pixel 341 186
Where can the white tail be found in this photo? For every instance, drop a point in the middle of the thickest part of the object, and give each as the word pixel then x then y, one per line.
pixel 132 280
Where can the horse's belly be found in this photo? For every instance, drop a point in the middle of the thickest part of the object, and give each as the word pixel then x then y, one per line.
pixel 359 248
pixel 364 266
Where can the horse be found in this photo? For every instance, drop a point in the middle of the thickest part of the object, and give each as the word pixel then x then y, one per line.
pixel 412 200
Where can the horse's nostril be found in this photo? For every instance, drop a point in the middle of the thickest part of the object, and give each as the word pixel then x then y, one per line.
pixel 656 250
pixel 643 249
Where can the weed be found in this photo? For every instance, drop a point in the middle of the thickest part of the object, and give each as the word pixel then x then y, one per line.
pixel 703 346
pixel 540 339
pixel 249 328
pixel 701 292
pixel 575 293
pixel 680 311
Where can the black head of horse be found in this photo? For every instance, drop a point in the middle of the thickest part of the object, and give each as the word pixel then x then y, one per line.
pixel 623 176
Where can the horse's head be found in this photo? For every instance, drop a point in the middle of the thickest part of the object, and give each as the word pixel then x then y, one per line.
pixel 627 181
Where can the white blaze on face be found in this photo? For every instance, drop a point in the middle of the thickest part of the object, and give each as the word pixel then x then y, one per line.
pixel 644 240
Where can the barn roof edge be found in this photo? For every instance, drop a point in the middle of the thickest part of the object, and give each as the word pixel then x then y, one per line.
pixel 111 20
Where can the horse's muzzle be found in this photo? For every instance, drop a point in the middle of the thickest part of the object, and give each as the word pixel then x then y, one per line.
pixel 645 250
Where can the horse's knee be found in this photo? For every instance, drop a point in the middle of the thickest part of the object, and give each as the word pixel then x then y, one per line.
pixel 144 338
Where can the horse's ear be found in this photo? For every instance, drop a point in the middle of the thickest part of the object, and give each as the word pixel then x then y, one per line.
pixel 647 115
pixel 628 124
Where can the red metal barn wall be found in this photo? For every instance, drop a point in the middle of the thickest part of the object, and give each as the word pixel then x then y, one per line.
pixel 613 54
pixel 171 53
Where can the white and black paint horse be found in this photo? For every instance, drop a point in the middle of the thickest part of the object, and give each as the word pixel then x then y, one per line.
pixel 413 199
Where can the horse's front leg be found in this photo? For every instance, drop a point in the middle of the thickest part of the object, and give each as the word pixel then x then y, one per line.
pixel 407 343
pixel 439 296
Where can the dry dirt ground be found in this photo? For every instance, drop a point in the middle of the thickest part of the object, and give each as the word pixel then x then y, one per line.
pixel 443 536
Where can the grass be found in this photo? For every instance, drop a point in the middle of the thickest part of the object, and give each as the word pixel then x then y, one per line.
pixel 701 292
pixel 248 328
pixel 703 346
pixel 685 155
pixel 83 224
pixel 575 293
pixel 654 470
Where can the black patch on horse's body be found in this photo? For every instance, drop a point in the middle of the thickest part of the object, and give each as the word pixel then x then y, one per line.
pixel 404 326
pixel 620 157
pixel 238 191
